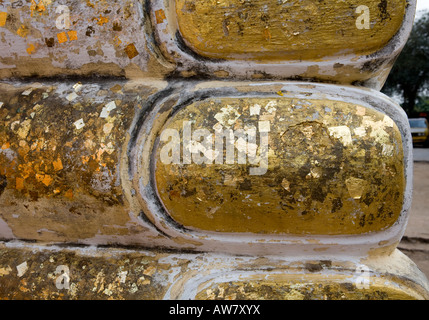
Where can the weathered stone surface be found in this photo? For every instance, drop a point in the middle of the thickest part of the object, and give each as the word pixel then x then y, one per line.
pixel 75 274
pixel 307 200
pixel 60 148
pixel 165 39
pixel 74 37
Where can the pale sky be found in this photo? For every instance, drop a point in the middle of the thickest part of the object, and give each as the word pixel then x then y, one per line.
pixel 422 5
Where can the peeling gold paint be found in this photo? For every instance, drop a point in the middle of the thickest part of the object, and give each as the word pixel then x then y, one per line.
pixel 44 161
pixel 286 30
pixel 322 177
pixel 317 289
pixel 91 277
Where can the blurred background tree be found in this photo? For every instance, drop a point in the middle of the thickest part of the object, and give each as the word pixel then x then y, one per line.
pixel 409 77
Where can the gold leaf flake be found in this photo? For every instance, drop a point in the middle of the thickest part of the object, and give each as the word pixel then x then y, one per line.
pixel 3 17
pixel 58 165
pixel 355 186
pixel 79 124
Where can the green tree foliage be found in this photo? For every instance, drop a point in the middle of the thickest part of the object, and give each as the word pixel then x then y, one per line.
pixel 410 74
pixel 422 104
